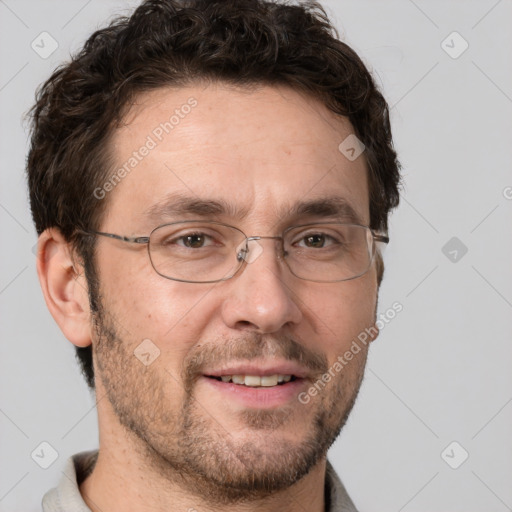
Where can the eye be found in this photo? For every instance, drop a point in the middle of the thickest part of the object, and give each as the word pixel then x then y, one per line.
pixel 316 240
pixel 196 240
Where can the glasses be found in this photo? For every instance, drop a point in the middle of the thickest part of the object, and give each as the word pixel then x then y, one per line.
pixel 208 252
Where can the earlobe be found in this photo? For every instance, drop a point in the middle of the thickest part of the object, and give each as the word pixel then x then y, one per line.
pixel 64 288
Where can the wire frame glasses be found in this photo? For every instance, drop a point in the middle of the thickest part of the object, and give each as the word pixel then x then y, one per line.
pixel 198 251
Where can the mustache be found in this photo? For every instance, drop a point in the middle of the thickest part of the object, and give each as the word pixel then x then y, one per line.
pixel 251 346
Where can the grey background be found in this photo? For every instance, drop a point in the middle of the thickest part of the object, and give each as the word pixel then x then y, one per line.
pixel 439 372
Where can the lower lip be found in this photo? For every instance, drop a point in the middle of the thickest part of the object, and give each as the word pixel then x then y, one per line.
pixel 261 397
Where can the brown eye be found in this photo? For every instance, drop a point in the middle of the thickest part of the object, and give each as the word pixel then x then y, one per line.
pixel 315 240
pixel 194 241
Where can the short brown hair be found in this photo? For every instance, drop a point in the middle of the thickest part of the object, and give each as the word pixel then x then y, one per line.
pixel 176 42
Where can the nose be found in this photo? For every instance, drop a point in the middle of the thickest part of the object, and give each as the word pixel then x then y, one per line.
pixel 260 296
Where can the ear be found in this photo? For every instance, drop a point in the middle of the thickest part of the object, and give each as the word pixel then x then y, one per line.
pixel 64 288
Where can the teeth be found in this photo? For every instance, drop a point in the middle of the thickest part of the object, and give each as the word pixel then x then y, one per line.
pixel 268 380
pixel 256 380
pixel 252 380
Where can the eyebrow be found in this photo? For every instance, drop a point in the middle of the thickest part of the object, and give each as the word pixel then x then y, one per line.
pixel 175 205
pixel 333 206
pixel 178 204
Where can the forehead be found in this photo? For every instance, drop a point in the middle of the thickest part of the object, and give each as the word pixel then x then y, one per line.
pixel 260 153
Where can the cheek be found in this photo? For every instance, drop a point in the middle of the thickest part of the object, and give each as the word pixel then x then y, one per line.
pixel 147 306
pixel 339 313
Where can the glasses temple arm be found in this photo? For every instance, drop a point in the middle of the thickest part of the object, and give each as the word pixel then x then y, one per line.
pixel 381 238
pixel 129 239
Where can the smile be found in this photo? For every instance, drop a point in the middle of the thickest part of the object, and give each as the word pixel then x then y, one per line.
pixel 255 380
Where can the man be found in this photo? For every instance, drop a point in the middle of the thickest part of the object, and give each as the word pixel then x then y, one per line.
pixel 211 181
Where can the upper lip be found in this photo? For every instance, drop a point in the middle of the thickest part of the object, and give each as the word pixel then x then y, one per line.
pixel 280 368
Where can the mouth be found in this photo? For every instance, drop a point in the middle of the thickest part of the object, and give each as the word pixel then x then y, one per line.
pixel 255 381
pixel 264 391
pixel 268 384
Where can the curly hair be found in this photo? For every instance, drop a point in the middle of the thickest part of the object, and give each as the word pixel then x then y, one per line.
pixel 174 43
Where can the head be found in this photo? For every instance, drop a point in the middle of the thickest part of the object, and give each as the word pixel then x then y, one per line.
pixel 244 103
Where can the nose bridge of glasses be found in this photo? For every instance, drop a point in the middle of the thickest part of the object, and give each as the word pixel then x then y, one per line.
pixel 250 253
pixel 250 238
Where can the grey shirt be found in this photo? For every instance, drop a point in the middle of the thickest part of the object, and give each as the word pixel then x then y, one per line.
pixel 66 496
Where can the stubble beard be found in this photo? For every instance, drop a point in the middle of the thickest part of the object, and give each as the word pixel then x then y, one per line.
pixel 191 449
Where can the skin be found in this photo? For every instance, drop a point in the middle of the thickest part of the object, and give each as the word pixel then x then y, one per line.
pixel 167 440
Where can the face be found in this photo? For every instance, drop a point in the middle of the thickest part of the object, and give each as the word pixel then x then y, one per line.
pixel 260 153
